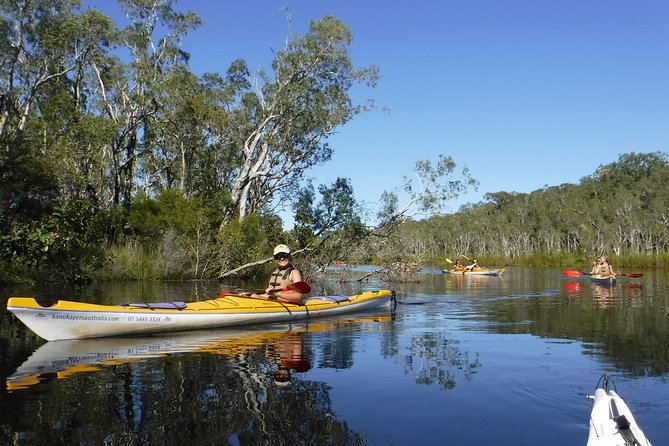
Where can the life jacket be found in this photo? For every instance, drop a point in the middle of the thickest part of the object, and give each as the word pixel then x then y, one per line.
pixel 280 278
pixel 604 270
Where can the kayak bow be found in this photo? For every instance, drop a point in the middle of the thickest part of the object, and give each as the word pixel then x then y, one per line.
pixel 611 420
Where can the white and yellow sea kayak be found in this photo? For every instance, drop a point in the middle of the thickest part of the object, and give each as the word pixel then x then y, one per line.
pixel 478 272
pixel 76 320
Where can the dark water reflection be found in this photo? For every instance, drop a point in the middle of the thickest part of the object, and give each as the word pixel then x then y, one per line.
pixel 462 360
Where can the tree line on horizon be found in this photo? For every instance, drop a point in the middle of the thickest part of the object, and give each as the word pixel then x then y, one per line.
pixel 620 210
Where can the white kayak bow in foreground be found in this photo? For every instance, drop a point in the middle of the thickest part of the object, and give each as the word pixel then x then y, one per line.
pixel 611 420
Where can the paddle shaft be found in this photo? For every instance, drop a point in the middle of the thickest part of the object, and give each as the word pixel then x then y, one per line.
pixel 579 273
pixel 619 274
pixel 301 287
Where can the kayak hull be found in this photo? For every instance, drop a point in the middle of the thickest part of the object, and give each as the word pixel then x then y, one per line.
pixel 606 281
pixel 77 320
pixel 481 272
pixel 612 422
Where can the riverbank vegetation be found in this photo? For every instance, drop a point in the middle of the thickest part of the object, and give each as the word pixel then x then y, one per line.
pixel 137 168
pixel 621 210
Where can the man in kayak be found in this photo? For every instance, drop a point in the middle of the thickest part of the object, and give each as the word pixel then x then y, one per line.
pixel 284 275
pixel 474 266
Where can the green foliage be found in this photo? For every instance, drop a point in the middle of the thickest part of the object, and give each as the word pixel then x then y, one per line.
pixel 145 219
pixel 130 261
pixel 621 211
pixel 179 232
pixel 336 209
pixel 331 227
pixel 245 241
pixel 28 185
pixel 150 218
pixel 66 246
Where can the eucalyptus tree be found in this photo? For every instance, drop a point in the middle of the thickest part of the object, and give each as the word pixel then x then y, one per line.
pixel 179 135
pixel 40 42
pixel 331 226
pixel 45 49
pixel 291 113
pixel 131 94
pixel 423 194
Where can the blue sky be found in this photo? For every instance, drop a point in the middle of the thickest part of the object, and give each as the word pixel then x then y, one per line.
pixel 525 93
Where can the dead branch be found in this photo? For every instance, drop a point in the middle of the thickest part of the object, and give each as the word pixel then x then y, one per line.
pixel 234 272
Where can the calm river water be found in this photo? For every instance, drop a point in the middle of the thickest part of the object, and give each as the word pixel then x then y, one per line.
pixel 461 360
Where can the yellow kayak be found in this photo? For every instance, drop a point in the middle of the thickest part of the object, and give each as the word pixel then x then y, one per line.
pixel 76 320
pixel 478 272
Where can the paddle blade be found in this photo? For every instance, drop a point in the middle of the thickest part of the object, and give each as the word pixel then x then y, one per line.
pixel 571 273
pixel 633 275
pixel 448 260
pixel 300 287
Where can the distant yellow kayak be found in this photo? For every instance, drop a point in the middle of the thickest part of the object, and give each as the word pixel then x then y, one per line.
pixel 76 320
pixel 478 272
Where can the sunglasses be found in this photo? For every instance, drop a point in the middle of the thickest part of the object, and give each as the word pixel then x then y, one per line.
pixel 281 256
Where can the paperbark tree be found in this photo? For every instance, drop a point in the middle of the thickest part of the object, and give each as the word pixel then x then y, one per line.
pixel 130 94
pixel 45 49
pixel 290 116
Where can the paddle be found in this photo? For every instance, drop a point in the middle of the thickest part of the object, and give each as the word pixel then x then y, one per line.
pixel 572 273
pixel 301 287
pixel 448 260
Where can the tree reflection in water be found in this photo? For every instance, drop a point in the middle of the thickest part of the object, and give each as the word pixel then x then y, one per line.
pixel 435 359
pixel 222 387
pixel 197 388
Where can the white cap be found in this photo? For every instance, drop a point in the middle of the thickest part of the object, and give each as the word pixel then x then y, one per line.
pixel 281 248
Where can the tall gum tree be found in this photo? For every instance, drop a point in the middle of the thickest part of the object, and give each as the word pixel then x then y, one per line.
pixel 130 94
pixel 41 42
pixel 291 116
pixel 45 51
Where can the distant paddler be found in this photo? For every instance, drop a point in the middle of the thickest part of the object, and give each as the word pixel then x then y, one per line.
pixel 474 266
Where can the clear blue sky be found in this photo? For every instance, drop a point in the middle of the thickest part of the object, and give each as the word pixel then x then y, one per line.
pixel 526 93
